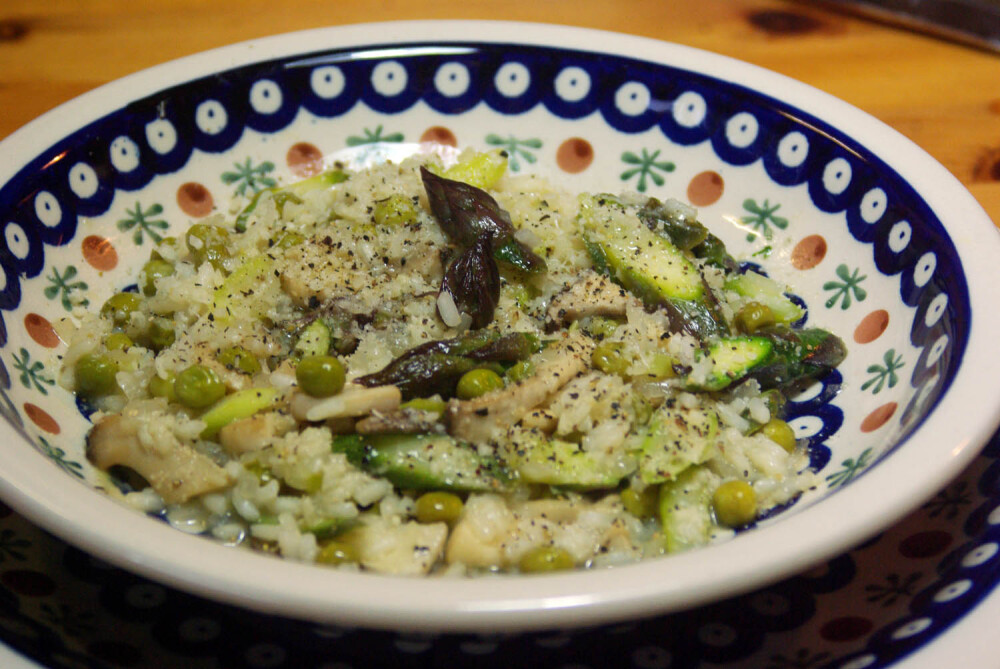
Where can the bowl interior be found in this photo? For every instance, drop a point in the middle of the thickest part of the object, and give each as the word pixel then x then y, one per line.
pixel 787 189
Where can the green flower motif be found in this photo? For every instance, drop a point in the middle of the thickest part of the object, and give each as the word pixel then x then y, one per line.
pixel 250 177
pixel 58 456
pixel 32 373
pixel 144 223
pixel 950 501
pixel 12 546
pixel 74 623
pixel 374 137
pixel 895 586
pixel 515 148
pixel 63 286
pixel 849 284
pixel 803 658
pixel 883 373
pixel 761 217
pixel 648 167
pixel 851 469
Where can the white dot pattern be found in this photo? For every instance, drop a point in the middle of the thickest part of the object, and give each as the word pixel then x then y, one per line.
pixel 837 176
pixel 124 154
pixel 742 130
pixel 936 309
pixel 873 205
pixel 793 149
pixel 689 109
pixel 211 117
pixel 17 241
pixel 83 180
pixel 512 80
pixel 632 99
pixel 48 209
pixel 572 84
pixel 389 79
pixel 899 236
pixel 924 269
pixel 452 80
pixel 161 136
pixel 327 82
pixel 266 97
pixel 980 555
pixel 937 350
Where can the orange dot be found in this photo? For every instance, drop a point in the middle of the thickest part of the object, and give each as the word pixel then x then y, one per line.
pixel 99 253
pixel 194 200
pixel 304 159
pixel 809 252
pixel 574 155
pixel 41 418
pixel 705 188
pixel 438 134
pixel 878 418
pixel 871 326
pixel 41 331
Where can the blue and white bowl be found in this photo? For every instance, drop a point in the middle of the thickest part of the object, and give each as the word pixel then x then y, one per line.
pixel 881 244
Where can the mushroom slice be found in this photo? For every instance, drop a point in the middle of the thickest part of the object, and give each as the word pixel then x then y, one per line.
pixel 352 401
pixel 402 421
pixel 592 295
pixel 176 471
pixel 483 418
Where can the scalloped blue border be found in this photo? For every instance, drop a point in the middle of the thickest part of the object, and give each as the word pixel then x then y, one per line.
pixel 50 171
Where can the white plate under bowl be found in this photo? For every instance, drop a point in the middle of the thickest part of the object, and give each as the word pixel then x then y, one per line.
pixel 883 246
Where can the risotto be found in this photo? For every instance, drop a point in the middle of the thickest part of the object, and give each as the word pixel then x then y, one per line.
pixel 417 370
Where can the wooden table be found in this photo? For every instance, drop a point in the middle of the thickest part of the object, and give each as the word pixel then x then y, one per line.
pixel 943 96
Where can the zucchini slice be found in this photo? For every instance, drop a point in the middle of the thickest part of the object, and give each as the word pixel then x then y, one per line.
pixel 423 461
pixel 675 439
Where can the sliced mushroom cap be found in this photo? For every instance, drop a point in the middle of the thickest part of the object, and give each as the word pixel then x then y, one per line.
pixel 351 402
pixel 176 471
pixel 591 295
pixel 483 418
pixel 402 421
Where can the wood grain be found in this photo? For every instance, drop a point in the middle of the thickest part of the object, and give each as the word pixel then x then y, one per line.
pixel 943 96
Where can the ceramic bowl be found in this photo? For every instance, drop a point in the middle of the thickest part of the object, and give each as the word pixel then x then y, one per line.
pixel 880 243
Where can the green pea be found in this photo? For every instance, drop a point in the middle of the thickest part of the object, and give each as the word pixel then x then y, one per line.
pixel 337 552
pixel 153 270
pixel 119 308
pixel 478 382
pixel 780 433
pixel 95 375
pixel 519 371
pixel 438 507
pixel 207 243
pixel 162 387
pixel 735 503
pixel 775 400
pixel 599 327
pixel 609 357
pixel 161 333
pixel 320 375
pixel 753 316
pixel 118 341
pixel 641 504
pixel 425 404
pixel 395 210
pixel 239 359
pixel 546 558
pixel 198 387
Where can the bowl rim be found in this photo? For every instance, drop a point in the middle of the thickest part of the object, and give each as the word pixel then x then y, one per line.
pixel 511 603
